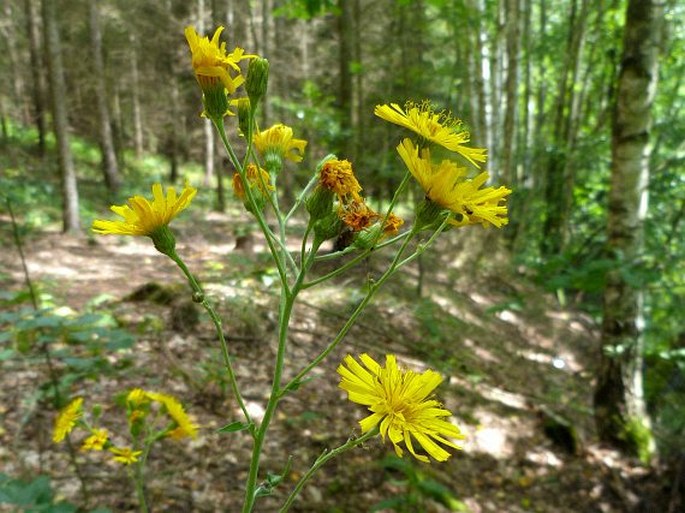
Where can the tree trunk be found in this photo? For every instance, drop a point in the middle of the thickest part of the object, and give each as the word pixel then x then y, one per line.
pixel 509 135
pixel 619 405
pixel 345 90
pixel 135 93
pixel 70 215
pixel 37 78
pixel 110 165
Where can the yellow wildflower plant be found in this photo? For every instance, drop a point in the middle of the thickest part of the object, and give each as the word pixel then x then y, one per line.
pixel 279 141
pixel 125 455
pixel 446 185
pixel 142 217
pixel 402 405
pixel 392 224
pixel 184 426
pixel 436 127
pixel 211 63
pixel 66 419
pixel 96 441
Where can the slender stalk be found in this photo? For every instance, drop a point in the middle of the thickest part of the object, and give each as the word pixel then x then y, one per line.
pixel 268 234
pixel 285 312
pixel 216 320
pixel 321 461
pixel 312 182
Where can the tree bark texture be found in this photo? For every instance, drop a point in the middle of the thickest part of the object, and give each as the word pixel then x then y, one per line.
pixel 618 397
pixel 110 165
pixel 37 77
pixel 58 97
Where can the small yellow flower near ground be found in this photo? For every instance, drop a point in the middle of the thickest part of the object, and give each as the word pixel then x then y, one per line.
pixel 278 140
pixel 211 63
pixel 446 185
pixel 439 128
pixel 185 427
pixel 337 176
pixel 143 217
pixel 96 441
pixel 136 397
pixel 66 419
pixel 401 403
pixel 125 455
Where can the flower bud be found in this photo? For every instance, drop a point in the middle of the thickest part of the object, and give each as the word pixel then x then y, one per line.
pixel 245 116
pixel 320 203
pixel 257 80
pixel 327 227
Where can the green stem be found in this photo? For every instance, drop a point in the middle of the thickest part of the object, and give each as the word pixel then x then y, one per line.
pixel 287 303
pixel 312 182
pixel 216 320
pixel 373 288
pixel 321 461
pixel 268 234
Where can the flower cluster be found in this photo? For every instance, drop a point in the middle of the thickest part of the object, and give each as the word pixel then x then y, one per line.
pixel 445 183
pixel 138 405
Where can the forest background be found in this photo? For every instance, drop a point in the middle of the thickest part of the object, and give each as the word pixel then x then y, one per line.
pixel 98 101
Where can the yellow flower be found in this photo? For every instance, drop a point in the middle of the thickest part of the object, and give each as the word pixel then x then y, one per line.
pixel 211 63
pixel 96 441
pixel 184 426
pixel 136 397
pixel 439 128
pixel 66 419
pixel 262 184
pixel 125 455
pixel 279 140
pixel 144 217
pixel 402 403
pixel 337 176
pixel 446 185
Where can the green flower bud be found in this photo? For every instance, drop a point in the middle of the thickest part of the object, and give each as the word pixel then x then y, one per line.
pixel 164 241
pixel 257 80
pixel 428 215
pixel 320 203
pixel 327 228
pixel 366 239
pixel 245 114
pixel 215 102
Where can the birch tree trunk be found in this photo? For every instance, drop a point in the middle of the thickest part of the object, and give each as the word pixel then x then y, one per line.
pixel 110 165
pixel 70 216
pixel 619 405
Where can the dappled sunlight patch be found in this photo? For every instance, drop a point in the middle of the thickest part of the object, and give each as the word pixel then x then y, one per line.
pixel 480 352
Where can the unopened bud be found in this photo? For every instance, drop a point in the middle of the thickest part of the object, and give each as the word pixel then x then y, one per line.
pixel 257 80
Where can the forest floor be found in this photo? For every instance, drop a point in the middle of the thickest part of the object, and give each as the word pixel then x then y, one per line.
pixel 518 377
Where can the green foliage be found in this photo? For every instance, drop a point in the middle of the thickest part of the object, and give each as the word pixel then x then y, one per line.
pixel 419 489
pixel 78 345
pixel 640 436
pixel 34 496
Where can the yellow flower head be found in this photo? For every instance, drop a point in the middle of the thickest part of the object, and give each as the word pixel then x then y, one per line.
pixel 125 455
pixel 437 127
pixel 401 401
pixel 144 217
pixel 136 397
pixel 278 140
pixel 211 63
pixel 262 184
pixel 66 419
pixel 358 215
pixel 96 441
pixel 184 426
pixel 446 185
pixel 337 176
